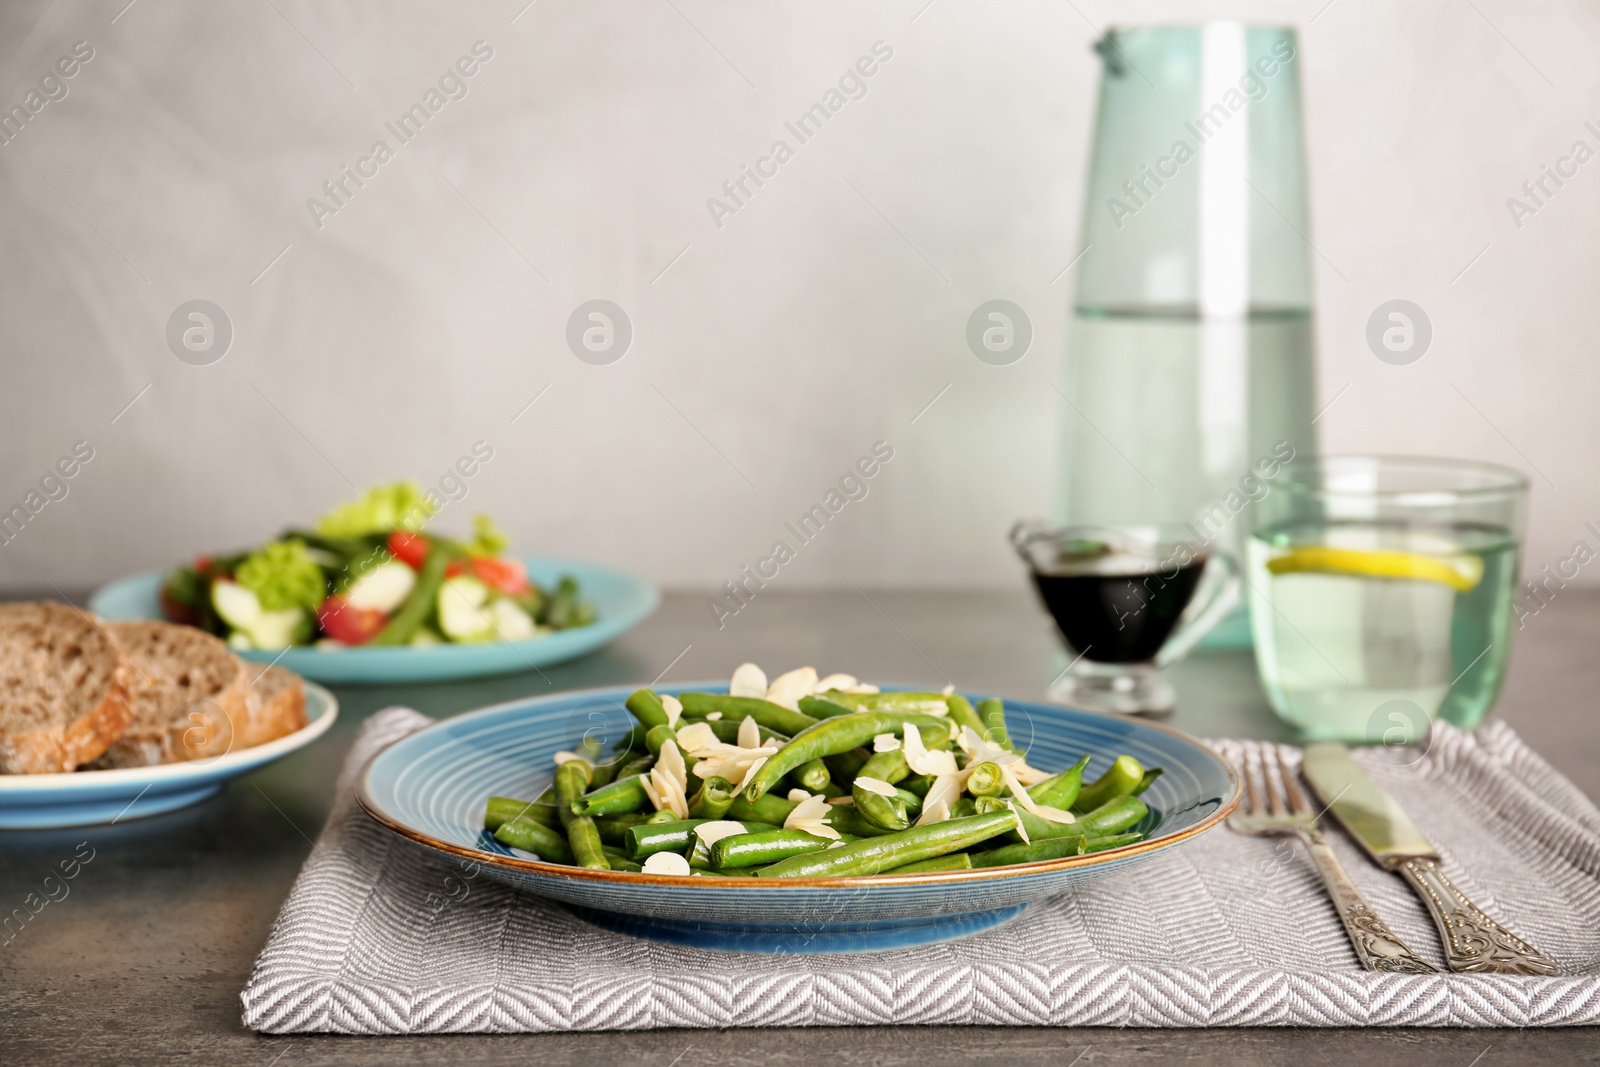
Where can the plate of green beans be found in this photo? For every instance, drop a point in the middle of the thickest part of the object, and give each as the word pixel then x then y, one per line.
pixel 802 815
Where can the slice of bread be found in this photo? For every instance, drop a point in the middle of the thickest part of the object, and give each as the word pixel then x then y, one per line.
pixel 280 704
pixel 63 689
pixel 191 697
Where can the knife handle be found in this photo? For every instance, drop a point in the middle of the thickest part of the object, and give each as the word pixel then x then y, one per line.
pixel 1473 942
pixel 1376 945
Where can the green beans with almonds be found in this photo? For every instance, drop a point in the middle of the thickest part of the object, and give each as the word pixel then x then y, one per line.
pixel 1060 790
pixel 769 846
pixel 873 855
pixel 1032 827
pixel 917 783
pixel 769 808
pixel 911 800
pixel 831 736
pixel 924 703
pixel 639 764
pixel 1121 779
pixel 847 820
pixel 844 766
pixel 764 712
pixel 1149 778
pixel 727 731
pixel 583 837
pixel 821 708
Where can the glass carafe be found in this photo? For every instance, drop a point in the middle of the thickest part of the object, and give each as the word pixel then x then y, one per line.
pixel 1189 368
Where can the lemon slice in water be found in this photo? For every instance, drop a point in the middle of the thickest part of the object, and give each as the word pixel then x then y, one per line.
pixel 1461 571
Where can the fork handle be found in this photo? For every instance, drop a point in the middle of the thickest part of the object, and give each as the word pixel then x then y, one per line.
pixel 1376 945
pixel 1473 942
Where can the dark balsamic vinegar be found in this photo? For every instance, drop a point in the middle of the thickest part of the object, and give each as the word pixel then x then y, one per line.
pixel 1118 617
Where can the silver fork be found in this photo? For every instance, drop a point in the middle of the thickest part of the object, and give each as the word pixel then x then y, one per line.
pixel 1273 805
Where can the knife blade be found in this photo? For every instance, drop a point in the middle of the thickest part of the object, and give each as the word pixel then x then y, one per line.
pixel 1473 942
pixel 1379 825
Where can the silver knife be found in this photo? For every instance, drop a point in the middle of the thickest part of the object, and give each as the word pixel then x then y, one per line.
pixel 1473 942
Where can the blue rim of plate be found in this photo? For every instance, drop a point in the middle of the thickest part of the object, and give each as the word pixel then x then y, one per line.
pixel 622 600
pixel 980 874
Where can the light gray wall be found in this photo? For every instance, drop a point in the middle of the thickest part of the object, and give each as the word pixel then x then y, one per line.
pixel 770 352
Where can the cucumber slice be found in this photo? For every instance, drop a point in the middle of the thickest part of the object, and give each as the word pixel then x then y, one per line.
pixel 384 588
pixel 238 607
pixel 461 609
pixel 510 621
pixel 276 630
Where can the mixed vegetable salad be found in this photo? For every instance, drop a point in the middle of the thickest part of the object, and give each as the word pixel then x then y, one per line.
pixel 367 574
pixel 817 777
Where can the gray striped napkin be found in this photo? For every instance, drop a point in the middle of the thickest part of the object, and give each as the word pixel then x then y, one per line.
pixel 378 938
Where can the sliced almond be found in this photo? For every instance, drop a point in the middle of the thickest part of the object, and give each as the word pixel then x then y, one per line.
pixel 748 681
pixel 667 863
pixel 673 708
pixel 787 689
pixel 749 733
pixel 875 785
pixel 885 743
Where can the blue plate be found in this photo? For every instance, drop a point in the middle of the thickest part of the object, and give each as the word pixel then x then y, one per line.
pixel 621 601
pixel 85 798
pixel 430 788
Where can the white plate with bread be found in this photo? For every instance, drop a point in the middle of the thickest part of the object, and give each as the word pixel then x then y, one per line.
pixel 105 721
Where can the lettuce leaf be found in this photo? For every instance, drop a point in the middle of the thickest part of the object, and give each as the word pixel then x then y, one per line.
pixel 381 509
pixel 282 575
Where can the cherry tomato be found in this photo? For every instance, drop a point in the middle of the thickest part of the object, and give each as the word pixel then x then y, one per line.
pixel 348 625
pixel 506 575
pixel 409 548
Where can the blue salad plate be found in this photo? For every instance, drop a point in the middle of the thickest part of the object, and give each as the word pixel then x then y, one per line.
pixel 430 788
pixel 621 601
pixel 85 798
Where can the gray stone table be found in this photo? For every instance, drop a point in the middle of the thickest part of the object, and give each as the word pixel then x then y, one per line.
pixel 143 962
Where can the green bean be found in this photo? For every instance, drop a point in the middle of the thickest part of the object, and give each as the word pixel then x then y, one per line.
pixel 923 703
pixel 993 714
pixel 622 795
pixel 613 828
pixel 1060 790
pixel 828 737
pixel 646 840
pixel 956 861
pixel 769 808
pixel 830 791
pixel 1147 779
pixel 1030 826
pixel 764 712
pixel 963 808
pixel 912 801
pixel 501 810
pixel 421 601
pixel 1114 816
pixel 640 764
pixel 1121 779
pixel 918 784
pixel 888 767
pixel 850 822
pixel 658 736
pixel 985 780
pixel 534 837
pixel 648 708
pixel 620 863
pixel 887 813
pixel 813 775
pixel 713 800
pixel 727 731
pixel 1051 849
pixel 961 714
pixel 823 708
pixel 844 766
pixel 572 777
pixel 636 736
pixel 769 846
pixel 872 855
pixel 601 771
pixel 665 815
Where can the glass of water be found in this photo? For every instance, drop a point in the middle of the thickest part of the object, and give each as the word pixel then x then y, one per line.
pixel 1380 593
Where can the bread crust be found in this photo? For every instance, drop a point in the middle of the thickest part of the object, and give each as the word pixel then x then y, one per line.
pixel 61 748
pixel 211 726
pixel 281 706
